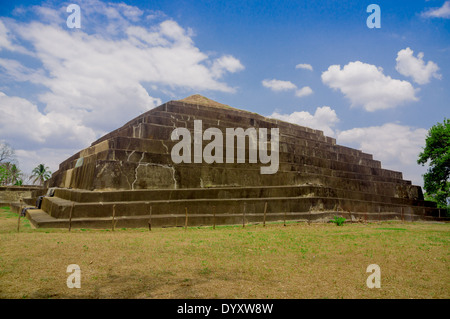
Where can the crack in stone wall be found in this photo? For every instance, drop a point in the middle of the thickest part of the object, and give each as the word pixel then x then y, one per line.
pixel 136 177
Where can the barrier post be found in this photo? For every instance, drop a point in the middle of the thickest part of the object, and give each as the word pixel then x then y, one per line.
pixel 113 217
pixel 150 220
pixel 243 214
pixel 265 210
pixel 70 217
pixel 214 217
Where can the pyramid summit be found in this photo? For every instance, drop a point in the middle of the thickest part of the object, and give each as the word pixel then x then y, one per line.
pixel 202 100
pixel 132 171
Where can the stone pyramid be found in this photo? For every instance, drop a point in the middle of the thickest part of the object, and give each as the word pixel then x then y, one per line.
pixel 129 175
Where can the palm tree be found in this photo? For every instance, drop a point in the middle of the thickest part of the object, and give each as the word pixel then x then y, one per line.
pixel 15 174
pixel 41 173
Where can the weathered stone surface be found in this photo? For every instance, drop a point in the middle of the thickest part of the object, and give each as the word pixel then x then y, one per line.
pixel 13 194
pixel 131 169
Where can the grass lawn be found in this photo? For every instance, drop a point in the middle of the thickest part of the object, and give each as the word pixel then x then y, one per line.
pixel 276 261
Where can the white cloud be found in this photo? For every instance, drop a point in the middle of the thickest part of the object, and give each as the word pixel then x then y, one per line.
pixel 409 65
pixel 396 146
pixel 323 119
pixel 304 91
pixel 442 12
pixel 18 72
pixel 279 85
pixel 304 66
pixel 40 138
pixel 224 64
pixel 15 112
pixel 366 85
pixel 25 126
pixel 6 40
pixel 131 12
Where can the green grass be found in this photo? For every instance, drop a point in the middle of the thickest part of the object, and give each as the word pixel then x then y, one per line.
pixel 293 261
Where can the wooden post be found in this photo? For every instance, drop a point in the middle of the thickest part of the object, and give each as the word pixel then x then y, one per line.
pixel 284 219
pixel 150 220
pixel 214 217
pixel 70 217
pixel 265 210
pixel 113 217
pixel 243 214
pixel 403 213
pixel 20 213
pixel 186 221
pixel 21 206
pixel 379 217
pixel 18 223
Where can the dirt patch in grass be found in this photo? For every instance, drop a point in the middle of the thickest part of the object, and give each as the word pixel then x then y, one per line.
pixel 295 261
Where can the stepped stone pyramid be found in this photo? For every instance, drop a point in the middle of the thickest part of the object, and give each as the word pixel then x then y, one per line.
pixel 128 177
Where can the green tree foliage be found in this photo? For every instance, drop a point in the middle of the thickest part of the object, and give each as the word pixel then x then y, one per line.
pixel 10 173
pixel 41 173
pixel 4 175
pixel 437 154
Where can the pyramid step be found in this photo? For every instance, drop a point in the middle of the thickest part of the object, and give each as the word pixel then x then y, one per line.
pixel 288 152
pixel 173 213
pixel 188 111
pixel 61 208
pixel 83 196
pixel 147 176
pixel 288 162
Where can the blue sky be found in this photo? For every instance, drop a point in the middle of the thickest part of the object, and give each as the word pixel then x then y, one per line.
pixel 314 63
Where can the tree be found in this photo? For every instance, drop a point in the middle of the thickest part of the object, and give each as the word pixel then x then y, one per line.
pixel 7 153
pixel 10 173
pixel 41 173
pixel 16 175
pixel 4 174
pixel 437 153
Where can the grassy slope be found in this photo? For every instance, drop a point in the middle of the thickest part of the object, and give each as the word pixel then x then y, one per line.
pixel 296 261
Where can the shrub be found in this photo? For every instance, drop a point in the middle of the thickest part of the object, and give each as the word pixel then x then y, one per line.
pixel 339 221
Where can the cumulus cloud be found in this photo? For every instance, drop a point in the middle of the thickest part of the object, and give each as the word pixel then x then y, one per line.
pixel 23 123
pixel 323 119
pixel 304 91
pixel 304 66
pixel 224 64
pixel 365 85
pixel 90 80
pixel 442 12
pixel 409 65
pixel 279 85
pixel 396 146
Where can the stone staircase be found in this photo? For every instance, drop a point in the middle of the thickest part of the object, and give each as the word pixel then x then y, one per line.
pixel 129 172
